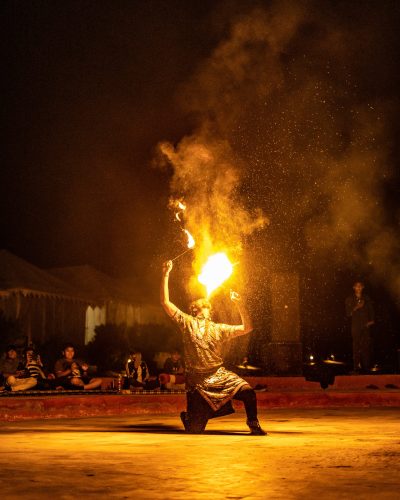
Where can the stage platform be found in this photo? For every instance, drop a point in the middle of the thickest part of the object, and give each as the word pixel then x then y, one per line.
pixel 272 392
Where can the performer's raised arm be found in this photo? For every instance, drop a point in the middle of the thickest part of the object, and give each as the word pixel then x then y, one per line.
pixel 247 325
pixel 167 305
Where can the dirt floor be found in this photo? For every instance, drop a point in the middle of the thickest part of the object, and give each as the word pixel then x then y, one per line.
pixel 325 454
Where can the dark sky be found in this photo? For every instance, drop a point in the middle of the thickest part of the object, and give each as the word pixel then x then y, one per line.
pixel 91 87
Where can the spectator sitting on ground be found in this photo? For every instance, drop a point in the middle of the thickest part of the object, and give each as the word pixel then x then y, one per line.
pixel 34 367
pixel 72 373
pixel 173 375
pixel 9 363
pixel 174 364
pixel 14 375
pixel 138 374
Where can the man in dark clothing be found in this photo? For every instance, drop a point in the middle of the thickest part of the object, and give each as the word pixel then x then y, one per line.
pixel 360 309
pixel 10 364
pixel 13 374
pixel 173 374
pixel 174 364
pixel 72 373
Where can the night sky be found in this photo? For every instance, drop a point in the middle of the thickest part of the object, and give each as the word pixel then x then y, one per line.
pixel 90 89
pixel 284 111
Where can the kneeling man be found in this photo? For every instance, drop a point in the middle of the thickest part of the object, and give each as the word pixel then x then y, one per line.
pixel 210 387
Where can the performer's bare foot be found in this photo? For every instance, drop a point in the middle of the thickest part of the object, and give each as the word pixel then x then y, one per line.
pixel 255 428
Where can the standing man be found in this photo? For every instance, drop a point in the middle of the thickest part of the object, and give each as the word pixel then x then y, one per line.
pixel 210 387
pixel 360 309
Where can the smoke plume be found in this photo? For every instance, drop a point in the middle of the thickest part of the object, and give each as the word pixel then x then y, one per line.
pixel 294 114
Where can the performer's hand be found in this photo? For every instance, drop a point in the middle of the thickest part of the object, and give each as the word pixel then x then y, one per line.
pixel 235 297
pixel 167 267
pixel 370 323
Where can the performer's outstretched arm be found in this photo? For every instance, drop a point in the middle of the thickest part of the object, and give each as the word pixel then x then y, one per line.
pixel 167 305
pixel 247 325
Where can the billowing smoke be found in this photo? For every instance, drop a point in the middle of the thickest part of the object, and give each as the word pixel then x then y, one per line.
pixel 291 121
pixel 207 174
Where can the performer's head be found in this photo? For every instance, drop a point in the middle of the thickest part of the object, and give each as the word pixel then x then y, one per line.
pixel 201 308
pixel 358 287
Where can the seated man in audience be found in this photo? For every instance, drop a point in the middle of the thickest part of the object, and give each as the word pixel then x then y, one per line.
pixel 9 362
pixel 138 374
pixel 14 374
pixel 173 375
pixel 34 367
pixel 174 364
pixel 72 373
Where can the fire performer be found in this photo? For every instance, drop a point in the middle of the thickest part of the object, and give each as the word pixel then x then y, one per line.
pixel 210 387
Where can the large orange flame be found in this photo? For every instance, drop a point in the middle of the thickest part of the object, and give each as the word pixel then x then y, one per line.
pixel 215 271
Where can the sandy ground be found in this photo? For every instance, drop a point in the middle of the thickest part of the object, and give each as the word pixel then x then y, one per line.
pixel 326 454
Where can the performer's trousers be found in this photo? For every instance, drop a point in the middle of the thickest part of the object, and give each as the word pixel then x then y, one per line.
pixel 199 411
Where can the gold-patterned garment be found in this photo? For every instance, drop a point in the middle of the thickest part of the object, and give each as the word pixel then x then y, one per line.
pixel 202 341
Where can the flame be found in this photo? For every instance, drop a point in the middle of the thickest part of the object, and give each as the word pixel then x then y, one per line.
pixel 190 238
pixel 182 208
pixel 215 271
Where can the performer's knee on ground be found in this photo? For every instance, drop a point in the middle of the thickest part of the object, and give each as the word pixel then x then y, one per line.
pixel 193 424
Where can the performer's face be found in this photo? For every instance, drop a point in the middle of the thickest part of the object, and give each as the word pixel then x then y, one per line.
pixel 204 313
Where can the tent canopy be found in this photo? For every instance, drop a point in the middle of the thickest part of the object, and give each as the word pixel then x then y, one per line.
pixel 95 284
pixel 17 274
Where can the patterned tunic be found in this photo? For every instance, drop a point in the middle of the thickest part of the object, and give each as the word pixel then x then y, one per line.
pixel 202 341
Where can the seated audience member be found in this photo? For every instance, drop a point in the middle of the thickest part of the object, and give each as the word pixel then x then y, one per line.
pixel 138 373
pixel 9 364
pixel 34 367
pixel 173 375
pixel 174 364
pixel 14 374
pixel 72 373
